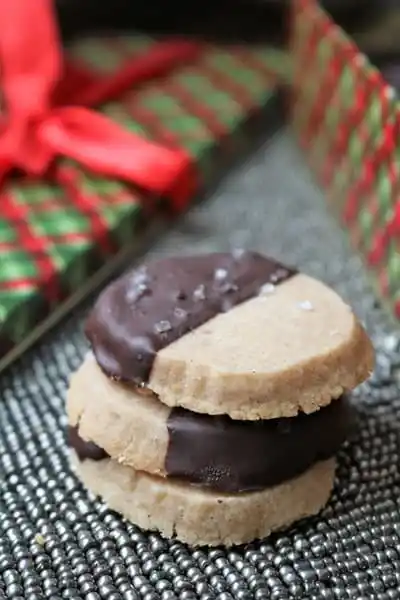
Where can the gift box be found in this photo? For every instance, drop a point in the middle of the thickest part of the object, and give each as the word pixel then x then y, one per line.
pixel 346 118
pixel 65 227
pixel 180 110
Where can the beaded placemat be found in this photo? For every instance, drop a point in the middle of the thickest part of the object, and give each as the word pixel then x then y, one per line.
pixel 56 541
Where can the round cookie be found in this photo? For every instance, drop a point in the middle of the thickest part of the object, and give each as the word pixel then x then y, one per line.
pixel 129 426
pixel 199 517
pixel 284 352
pixel 235 334
pixel 212 451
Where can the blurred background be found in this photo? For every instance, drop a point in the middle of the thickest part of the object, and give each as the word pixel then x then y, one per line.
pixel 374 24
pixel 240 19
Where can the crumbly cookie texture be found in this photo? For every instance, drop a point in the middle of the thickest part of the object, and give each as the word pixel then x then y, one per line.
pixel 131 427
pixel 198 517
pixel 291 349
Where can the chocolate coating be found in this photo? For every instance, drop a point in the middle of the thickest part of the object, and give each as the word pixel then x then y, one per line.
pixel 148 308
pixel 84 450
pixel 241 456
pixel 229 456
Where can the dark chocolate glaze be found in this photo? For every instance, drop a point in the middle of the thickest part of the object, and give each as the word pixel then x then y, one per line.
pixel 149 308
pixel 83 448
pixel 241 456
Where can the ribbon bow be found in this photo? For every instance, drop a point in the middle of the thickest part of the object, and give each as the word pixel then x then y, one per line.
pixel 35 130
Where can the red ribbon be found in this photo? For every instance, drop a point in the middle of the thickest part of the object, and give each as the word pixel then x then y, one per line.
pixel 36 130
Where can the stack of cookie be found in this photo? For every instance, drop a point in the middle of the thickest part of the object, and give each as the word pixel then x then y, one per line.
pixel 213 401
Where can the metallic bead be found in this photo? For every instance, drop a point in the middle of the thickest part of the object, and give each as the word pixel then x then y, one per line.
pixel 130 595
pixel 169 595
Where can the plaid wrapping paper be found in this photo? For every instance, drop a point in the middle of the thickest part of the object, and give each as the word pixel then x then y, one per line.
pixel 52 239
pixel 347 119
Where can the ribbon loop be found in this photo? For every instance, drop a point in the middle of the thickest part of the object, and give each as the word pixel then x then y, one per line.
pixel 35 133
pixel 105 148
pixel 31 63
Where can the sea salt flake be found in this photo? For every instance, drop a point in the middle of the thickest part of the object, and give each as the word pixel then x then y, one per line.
pixel 220 274
pixel 162 327
pixel 180 313
pixel 137 291
pixel 199 293
pixel 229 288
pixel 279 275
pixel 238 253
pixel 267 288
pixel 140 276
pixel 305 305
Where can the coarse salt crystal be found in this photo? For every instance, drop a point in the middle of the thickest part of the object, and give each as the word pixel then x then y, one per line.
pixel 180 313
pixel 267 288
pixel 220 274
pixel 162 327
pixel 199 293
pixel 305 305
pixel 238 253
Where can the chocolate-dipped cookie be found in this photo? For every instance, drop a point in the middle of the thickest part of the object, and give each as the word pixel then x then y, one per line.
pixel 229 334
pixel 216 384
pixel 213 452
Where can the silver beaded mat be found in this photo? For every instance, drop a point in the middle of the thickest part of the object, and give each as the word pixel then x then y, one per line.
pixel 56 541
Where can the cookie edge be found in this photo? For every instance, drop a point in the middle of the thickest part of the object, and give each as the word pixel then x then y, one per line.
pixel 176 505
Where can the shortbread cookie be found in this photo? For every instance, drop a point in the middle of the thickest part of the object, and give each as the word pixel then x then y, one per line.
pixel 199 517
pixel 214 398
pixel 230 333
pixel 213 451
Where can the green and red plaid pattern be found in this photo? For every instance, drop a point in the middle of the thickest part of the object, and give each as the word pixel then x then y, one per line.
pixel 347 119
pixel 53 238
